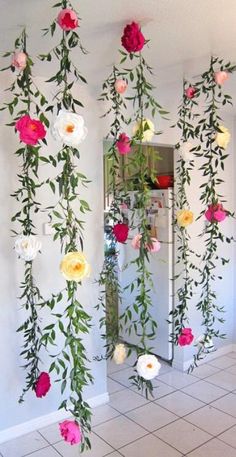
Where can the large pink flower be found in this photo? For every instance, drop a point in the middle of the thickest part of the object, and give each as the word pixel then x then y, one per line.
pixel 154 245
pixel 67 19
pixel 19 60
pixel 216 213
pixel 186 337
pixel 190 92
pixel 220 77
pixel 121 232
pixel 42 385
pixel 123 144
pixel 133 39
pixel 70 431
pixel 31 130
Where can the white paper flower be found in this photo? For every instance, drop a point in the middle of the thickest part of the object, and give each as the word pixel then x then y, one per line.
pixel 148 366
pixel 148 130
pixel 69 128
pixel 120 354
pixel 204 342
pixel 184 151
pixel 27 247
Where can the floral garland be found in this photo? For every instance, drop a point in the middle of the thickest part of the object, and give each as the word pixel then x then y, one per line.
pixel 27 245
pixel 214 138
pixel 68 127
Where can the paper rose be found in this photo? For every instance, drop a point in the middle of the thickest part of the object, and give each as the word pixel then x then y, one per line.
pixel 19 60
pixel 123 144
pixel 154 245
pixel 223 138
pixel 148 130
pixel 42 385
pixel 119 354
pixel 67 19
pixel 121 86
pixel 70 432
pixel 184 151
pixel 204 342
pixel 132 39
pixel 190 92
pixel 148 366
pixel 27 247
pixel 186 337
pixel 216 213
pixel 136 241
pixel 69 128
pixel 74 266
pixel 121 231
pixel 31 130
pixel 220 77
pixel 184 217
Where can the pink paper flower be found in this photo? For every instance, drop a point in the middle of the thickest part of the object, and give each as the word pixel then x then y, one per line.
pixel 70 432
pixel 121 232
pixel 121 86
pixel 215 213
pixel 19 60
pixel 42 385
pixel 154 246
pixel 190 92
pixel 186 337
pixel 31 130
pixel 123 144
pixel 220 77
pixel 133 39
pixel 67 19
pixel 136 241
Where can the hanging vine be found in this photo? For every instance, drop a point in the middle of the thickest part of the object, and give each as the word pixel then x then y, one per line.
pixel 214 138
pixel 71 362
pixel 27 99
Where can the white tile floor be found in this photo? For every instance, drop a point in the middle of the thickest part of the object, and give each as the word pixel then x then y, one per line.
pixel 192 416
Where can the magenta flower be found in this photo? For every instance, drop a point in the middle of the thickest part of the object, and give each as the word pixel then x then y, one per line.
pixel 121 231
pixel 31 130
pixel 133 39
pixel 70 432
pixel 186 337
pixel 190 92
pixel 123 144
pixel 42 385
pixel 67 19
pixel 215 213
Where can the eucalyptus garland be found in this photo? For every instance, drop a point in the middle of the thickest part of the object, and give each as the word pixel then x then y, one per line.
pixel 214 138
pixel 71 362
pixel 27 99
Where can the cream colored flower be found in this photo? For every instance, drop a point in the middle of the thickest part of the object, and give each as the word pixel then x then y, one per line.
pixel 120 354
pixel 148 366
pixel 69 128
pixel 223 137
pixel 74 266
pixel 184 217
pixel 184 151
pixel 148 130
pixel 27 247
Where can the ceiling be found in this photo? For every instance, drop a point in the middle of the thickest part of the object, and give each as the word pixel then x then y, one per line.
pixel 183 33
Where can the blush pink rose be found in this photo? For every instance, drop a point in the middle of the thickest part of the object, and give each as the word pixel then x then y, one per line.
pixel 220 77
pixel 42 385
pixel 133 39
pixel 136 241
pixel 186 337
pixel 19 60
pixel 190 92
pixel 70 432
pixel 154 246
pixel 215 213
pixel 121 86
pixel 123 144
pixel 121 232
pixel 31 130
pixel 67 19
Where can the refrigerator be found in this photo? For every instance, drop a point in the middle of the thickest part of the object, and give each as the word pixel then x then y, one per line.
pixel 159 217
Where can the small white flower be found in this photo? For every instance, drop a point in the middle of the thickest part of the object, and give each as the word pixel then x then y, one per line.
pixel 69 128
pixel 27 247
pixel 204 342
pixel 184 151
pixel 120 354
pixel 148 130
pixel 148 366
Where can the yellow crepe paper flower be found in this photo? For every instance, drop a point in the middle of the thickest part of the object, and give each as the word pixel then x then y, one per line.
pixel 184 217
pixel 74 266
pixel 223 137
pixel 148 130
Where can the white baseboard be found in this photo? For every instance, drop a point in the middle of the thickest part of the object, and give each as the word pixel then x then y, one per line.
pixel 48 419
pixel 183 366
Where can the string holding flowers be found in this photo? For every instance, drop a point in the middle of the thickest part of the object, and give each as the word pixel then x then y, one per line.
pixel 214 138
pixel 70 363
pixel 27 100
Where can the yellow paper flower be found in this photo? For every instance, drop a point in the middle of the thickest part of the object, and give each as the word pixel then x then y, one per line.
pixel 184 217
pixel 74 266
pixel 148 130
pixel 223 137
pixel 120 354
